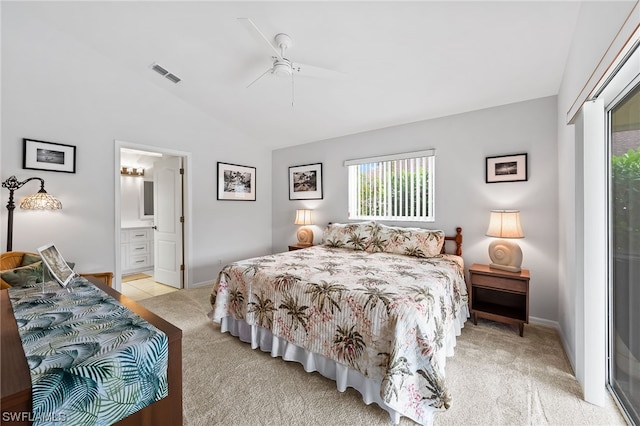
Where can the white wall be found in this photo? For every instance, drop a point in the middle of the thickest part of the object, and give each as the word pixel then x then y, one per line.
pixel 57 89
pixel 599 33
pixel 462 143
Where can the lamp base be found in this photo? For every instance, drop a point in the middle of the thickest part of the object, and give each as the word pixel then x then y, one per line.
pixel 505 255
pixel 505 267
pixel 305 236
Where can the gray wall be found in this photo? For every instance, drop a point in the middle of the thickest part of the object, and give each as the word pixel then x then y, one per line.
pixel 57 89
pixel 462 197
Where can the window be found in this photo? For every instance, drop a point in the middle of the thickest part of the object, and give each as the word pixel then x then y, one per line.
pixel 392 187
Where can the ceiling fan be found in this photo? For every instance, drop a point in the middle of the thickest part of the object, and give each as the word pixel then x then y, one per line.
pixel 282 66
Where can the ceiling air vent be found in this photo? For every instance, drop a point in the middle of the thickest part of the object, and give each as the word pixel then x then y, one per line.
pixel 173 78
pixel 163 72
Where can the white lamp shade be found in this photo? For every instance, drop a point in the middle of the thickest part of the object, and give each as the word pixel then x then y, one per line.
pixel 505 224
pixel 303 217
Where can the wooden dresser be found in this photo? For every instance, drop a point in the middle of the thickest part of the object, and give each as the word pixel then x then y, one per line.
pixel 15 390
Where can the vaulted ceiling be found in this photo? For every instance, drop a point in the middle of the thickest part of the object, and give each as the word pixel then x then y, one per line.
pixel 402 61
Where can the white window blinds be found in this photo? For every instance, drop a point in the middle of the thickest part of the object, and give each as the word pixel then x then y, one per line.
pixel 395 187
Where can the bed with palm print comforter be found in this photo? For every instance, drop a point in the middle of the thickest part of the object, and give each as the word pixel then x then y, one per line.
pixel 388 320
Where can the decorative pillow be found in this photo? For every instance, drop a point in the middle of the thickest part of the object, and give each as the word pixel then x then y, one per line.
pixel 416 242
pixel 24 275
pixel 30 273
pixel 28 259
pixel 355 236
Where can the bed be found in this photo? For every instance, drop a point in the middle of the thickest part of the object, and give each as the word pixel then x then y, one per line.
pixel 375 307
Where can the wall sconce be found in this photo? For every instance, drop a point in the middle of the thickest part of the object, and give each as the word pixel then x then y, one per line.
pixel 505 255
pixel 131 171
pixel 304 234
pixel 38 201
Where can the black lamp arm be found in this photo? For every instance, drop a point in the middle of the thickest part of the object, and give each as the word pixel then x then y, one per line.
pixel 12 184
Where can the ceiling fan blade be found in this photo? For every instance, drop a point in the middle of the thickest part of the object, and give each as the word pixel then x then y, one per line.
pixel 307 70
pixel 259 37
pixel 261 75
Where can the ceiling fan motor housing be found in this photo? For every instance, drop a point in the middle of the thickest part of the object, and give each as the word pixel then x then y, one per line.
pixel 281 68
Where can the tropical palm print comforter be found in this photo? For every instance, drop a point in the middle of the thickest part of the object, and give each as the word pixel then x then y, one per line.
pixel 384 315
pixel 92 360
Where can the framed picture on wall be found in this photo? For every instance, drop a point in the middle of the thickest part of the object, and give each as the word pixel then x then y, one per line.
pixel 55 157
pixel 305 182
pixel 506 168
pixel 236 183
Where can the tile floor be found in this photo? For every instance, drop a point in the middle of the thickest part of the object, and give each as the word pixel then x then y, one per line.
pixel 145 288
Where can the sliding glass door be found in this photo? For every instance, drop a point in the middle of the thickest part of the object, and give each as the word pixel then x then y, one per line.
pixel 624 288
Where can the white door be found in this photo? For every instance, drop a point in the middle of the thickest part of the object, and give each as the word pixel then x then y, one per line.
pixel 168 220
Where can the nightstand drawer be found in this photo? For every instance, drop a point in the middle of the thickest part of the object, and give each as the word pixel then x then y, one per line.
pixel 508 284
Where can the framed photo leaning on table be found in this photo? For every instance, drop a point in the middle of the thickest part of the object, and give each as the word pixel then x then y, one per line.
pixel 57 266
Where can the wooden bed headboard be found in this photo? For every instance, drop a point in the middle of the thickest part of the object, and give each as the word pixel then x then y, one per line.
pixel 458 241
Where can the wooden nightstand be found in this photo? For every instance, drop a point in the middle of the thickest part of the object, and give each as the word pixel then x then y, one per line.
pixel 499 295
pixel 293 247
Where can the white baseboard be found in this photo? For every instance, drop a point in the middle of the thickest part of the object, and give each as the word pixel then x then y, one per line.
pixel 545 322
pixel 202 284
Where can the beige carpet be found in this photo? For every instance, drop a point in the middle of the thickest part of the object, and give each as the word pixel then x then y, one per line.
pixel 495 378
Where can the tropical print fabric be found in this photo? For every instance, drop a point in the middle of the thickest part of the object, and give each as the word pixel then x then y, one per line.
pixel 92 360
pixel 376 237
pixel 416 242
pixel 355 236
pixel 384 315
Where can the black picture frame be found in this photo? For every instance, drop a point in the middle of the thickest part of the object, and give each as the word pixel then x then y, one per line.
pixel 49 156
pixel 305 182
pixel 236 182
pixel 507 168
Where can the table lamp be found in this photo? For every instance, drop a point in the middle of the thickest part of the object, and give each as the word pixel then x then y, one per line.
pixel 304 234
pixel 38 201
pixel 505 255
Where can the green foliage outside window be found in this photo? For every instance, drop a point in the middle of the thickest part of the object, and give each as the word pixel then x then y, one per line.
pixel 388 197
pixel 625 210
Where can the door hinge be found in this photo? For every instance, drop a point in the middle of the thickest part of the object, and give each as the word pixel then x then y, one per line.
pixel 182 267
pixel 181 219
pixel 182 171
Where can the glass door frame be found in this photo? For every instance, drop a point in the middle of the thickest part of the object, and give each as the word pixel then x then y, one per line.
pixel 623 83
